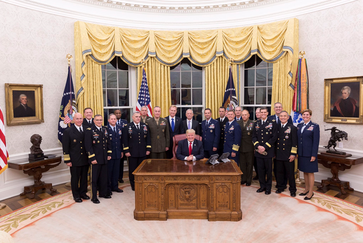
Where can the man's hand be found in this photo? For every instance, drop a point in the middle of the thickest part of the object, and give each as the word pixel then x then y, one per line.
pixel 261 149
pixel 94 162
pixel 147 152
pixel 292 158
pixel 122 154
pixel 69 164
pixel 167 148
pixel 313 158
pixel 128 154
pixel 233 154
pixel 108 157
pixel 214 149
pixel 190 158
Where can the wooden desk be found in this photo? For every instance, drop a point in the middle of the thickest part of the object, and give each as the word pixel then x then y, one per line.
pixel 336 163
pixel 36 169
pixel 176 189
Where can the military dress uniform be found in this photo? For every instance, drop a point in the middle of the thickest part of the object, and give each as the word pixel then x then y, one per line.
pixel 122 123
pixel 232 139
pixel 286 146
pixel 136 142
pixel 265 134
pixel 159 136
pixel 87 123
pixel 222 125
pixel 98 147
pixel 246 151
pixel 308 146
pixel 211 135
pixel 113 165
pixel 74 152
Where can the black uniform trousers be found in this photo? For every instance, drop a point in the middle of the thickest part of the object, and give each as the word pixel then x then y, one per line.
pixel 264 168
pixel 154 155
pixel 209 153
pixel 134 162
pixel 285 169
pixel 113 174
pixel 79 180
pixel 99 180
pixel 246 160
pixel 121 171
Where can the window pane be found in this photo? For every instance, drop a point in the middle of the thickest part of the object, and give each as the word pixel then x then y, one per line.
pixel 123 79
pixel 260 77
pixel 111 79
pixel 260 63
pixel 197 79
pixel 111 97
pixel 250 77
pixel 122 65
pixel 106 112
pixel 103 78
pixel 250 63
pixel 269 96
pixel 104 98
pixel 175 96
pixel 261 96
pixel 249 96
pixel 270 77
pixel 123 95
pixel 185 80
pixel 111 65
pixel 175 68
pixel 185 66
pixel 197 97
pixel 175 79
pixel 186 97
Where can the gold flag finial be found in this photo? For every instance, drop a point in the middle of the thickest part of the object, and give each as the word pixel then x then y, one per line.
pixel 69 57
pixel 143 61
pixel 301 54
pixel 231 60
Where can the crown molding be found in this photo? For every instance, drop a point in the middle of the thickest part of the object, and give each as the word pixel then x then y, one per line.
pixel 158 17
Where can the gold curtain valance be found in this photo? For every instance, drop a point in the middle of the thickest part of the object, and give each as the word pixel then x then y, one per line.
pixel 271 42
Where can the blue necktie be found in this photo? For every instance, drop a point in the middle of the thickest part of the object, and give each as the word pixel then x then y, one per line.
pixel 172 124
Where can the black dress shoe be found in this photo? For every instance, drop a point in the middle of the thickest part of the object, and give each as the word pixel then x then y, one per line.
pixel 267 192
pixel 293 194
pixel 255 178
pixel 96 201
pixel 259 190
pixel 248 184
pixel 121 181
pixel 85 197
pixel 133 189
pixel 308 198
pixel 118 190
pixel 243 182
pixel 304 194
pixel 111 193
pixel 107 197
pixel 278 191
pixel 78 200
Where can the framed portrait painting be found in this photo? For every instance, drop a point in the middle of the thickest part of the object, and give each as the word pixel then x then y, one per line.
pixel 343 100
pixel 24 104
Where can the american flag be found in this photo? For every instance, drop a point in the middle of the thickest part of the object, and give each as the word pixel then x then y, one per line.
pixel 4 155
pixel 144 96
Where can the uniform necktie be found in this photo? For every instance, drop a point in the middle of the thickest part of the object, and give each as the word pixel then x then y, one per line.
pixel 80 129
pixel 137 126
pixel 189 125
pixel 172 124
pixel 114 129
pixel 207 123
pixel 302 129
pixel 190 148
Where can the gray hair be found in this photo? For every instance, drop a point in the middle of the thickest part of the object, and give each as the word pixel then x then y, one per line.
pixel 23 95
pixel 346 88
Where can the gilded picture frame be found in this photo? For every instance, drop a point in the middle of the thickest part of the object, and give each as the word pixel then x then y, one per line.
pixel 24 104
pixel 343 100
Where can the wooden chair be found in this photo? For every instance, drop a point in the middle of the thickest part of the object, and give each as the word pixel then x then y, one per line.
pixel 177 138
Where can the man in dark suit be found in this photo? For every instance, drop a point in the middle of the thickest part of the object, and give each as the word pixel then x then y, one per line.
pixel 286 149
pixel 121 123
pixel 264 138
pixel 137 144
pixel 75 157
pixel 275 118
pixel 210 134
pixel 189 123
pixel 159 134
pixel 113 165
pixel 222 123
pixel 88 114
pixel 258 116
pixel 23 110
pixel 232 137
pixel 190 149
pixel 174 128
pixel 246 150
pixel 99 151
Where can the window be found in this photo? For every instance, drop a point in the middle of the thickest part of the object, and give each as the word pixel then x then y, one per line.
pixel 186 81
pixel 116 88
pixel 256 85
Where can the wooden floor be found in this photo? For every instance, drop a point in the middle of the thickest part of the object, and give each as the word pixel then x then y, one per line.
pixel 18 202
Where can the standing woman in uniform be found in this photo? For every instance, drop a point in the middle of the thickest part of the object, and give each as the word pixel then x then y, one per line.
pixel 308 135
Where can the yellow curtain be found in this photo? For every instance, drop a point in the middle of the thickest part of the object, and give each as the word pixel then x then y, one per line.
pixel 158 79
pixel 272 42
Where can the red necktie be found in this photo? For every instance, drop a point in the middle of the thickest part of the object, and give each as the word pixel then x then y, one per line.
pixel 190 148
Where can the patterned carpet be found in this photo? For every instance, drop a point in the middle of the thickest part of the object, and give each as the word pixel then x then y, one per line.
pixel 274 218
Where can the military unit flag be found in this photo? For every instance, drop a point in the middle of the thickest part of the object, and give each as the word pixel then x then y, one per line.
pixel 144 96
pixel 230 98
pixel 4 155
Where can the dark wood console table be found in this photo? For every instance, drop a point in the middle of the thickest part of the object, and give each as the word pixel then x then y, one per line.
pixel 336 163
pixel 174 189
pixel 36 169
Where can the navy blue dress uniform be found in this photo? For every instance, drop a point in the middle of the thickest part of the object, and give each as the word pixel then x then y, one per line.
pixel 121 123
pixel 274 118
pixel 183 149
pixel 222 125
pixel 74 152
pixel 98 147
pixel 265 134
pixel 87 123
pixel 232 139
pixel 211 136
pixel 286 146
pixel 308 146
pixel 113 165
pixel 136 142
pixel 173 130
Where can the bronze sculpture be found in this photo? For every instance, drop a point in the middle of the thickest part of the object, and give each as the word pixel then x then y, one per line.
pixel 36 153
pixel 336 135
